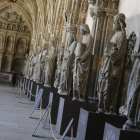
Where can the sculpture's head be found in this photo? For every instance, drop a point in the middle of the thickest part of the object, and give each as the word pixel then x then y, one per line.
pixel 39 49
pixel 71 37
pixel 119 22
pixel 52 43
pixel 84 28
pixel 61 48
pixel 44 46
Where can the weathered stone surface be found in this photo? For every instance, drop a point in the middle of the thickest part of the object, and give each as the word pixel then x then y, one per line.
pixel 81 64
pixel 111 71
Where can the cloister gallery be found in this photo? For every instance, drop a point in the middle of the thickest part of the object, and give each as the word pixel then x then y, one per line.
pixel 69 69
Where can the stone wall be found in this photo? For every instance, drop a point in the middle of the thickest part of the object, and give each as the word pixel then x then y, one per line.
pixel 14 41
pixel 132 11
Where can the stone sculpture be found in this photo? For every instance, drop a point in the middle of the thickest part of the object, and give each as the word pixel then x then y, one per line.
pixel 25 64
pixel 111 71
pixel 81 64
pixel 29 66
pixel 33 65
pixel 133 94
pixel 59 65
pixel 67 66
pixel 49 64
pixel 41 64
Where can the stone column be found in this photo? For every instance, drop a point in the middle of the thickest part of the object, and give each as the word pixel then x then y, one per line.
pixel 102 31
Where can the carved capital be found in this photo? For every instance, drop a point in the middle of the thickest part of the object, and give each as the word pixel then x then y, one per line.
pixel 96 12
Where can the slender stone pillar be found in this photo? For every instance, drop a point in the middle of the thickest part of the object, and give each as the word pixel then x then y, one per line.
pixel 102 13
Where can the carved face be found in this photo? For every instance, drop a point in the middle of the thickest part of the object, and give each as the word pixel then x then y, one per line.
pixel 43 47
pixel 82 31
pixel 116 24
pixel 39 49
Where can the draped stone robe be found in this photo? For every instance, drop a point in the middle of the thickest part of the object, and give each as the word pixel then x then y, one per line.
pixel 49 66
pixel 41 64
pixel 111 71
pixel 133 94
pixel 66 73
pixel 59 67
pixel 34 68
pixel 29 67
pixel 25 66
pixel 81 69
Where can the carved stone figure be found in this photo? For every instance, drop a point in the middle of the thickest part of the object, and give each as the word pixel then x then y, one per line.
pixel 81 64
pixel 9 26
pixel 67 66
pixel 35 63
pixel 4 25
pixel 41 64
pixel 49 64
pixel 25 64
pixel 59 65
pixel 26 29
pixel 15 27
pixel 29 67
pixel 21 28
pixel 133 94
pixel 111 71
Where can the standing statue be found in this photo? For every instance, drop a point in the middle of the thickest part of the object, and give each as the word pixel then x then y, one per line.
pixel 34 65
pixel 59 65
pixel 133 94
pixel 81 64
pixel 111 71
pixel 67 66
pixel 29 65
pixel 25 64
pixel 49 64
pixel 41 64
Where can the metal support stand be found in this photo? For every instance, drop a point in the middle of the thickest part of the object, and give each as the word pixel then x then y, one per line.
pixel 36 105
pixel 41 119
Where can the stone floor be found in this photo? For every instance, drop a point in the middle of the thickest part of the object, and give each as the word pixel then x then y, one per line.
pixel 14 121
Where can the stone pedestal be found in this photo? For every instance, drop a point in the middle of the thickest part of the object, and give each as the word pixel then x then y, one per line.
pixel 116 133
pixel 6 77
pixel 102 31
pixel 69 109
pixel 91 125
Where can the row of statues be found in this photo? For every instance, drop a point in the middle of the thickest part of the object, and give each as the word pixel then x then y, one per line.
pixel 73 62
